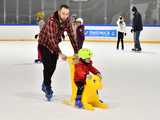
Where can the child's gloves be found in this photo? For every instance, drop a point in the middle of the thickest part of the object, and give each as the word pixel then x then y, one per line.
pixel 89 77
pixel 99 75
pixel 132 30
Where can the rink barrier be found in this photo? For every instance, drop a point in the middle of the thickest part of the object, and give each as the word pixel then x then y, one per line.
pixel 93 33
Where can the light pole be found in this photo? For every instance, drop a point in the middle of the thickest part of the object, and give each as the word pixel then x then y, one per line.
pixel 17 11
pixel 30 11
pixel 42 5
pixel 80 6
pixel 55 4
pixel 105 11
pixel 67 2
pixel 80 9
pixel 4 11
pixel 158 7
pixel 131 5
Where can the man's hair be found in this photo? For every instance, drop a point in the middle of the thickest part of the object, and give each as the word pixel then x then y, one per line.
pixel 134 9
pixel 64 6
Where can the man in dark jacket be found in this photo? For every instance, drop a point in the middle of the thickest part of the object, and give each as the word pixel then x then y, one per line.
pixel 49 38
pixel 137 27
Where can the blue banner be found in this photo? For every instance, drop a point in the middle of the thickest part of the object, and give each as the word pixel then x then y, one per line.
pixel 101 33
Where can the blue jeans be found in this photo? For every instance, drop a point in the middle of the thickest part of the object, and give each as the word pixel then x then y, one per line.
pixel 136 40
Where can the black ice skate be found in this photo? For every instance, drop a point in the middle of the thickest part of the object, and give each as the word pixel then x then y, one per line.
pixel 137 49
pixel 48 92
pixel 37 61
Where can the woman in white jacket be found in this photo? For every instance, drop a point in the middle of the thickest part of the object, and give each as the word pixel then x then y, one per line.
pixel 121 31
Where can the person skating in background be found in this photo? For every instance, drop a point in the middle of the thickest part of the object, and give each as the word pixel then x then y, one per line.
pixel 40 20
pixel 137 27
pixel 83 68
pixel 121 31
pixel 80 37
pixel 49 39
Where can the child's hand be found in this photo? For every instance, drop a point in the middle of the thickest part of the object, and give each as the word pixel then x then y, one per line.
pixel 63 56
pixel 132 30
pixel 75 60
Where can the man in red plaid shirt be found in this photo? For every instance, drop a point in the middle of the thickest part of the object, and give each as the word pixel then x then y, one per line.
pixel 49 38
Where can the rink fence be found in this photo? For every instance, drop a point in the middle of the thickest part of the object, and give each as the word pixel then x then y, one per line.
pixel 93 33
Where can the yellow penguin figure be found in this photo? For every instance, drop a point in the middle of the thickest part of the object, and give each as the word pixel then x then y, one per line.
pixel 74 88
pixel 90 98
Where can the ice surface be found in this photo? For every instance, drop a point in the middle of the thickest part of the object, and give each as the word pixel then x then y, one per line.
pixel 131 83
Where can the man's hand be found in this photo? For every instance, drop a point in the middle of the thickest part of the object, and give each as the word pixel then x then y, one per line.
pixel 76 56
pixel 62 56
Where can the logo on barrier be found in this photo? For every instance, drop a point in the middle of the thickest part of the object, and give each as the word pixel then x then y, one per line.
pixel 101 33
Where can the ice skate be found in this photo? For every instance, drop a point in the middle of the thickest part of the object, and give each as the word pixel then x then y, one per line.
pixel 48 92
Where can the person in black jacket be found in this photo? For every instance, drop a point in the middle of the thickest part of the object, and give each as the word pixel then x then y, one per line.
pixel 137 27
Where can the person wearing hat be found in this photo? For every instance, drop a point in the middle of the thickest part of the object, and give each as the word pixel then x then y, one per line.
pixel 137 27
pixel 40 19
pixel 80 37
pixel 83 68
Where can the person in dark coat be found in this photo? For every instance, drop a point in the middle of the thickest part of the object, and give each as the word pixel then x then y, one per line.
pixel 137 27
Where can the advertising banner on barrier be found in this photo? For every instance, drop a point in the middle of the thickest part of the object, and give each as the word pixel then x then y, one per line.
pixel 95 33
pixel 101 33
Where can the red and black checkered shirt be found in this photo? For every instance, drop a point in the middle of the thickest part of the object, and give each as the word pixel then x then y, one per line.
pixel 50 35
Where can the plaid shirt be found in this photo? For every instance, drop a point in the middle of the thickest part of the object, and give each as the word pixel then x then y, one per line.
pixel 50 35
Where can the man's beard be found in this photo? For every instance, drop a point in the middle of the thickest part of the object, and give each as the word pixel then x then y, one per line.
pixel 61 20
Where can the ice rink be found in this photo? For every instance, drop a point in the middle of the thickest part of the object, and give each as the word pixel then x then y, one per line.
pixel 131 83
